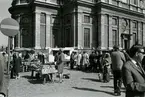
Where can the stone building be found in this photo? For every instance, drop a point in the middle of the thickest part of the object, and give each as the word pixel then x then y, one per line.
pixel 79 23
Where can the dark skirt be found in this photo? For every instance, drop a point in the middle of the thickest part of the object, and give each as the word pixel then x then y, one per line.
pixel 60 68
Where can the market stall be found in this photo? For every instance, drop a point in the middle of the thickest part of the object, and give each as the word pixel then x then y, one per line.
pixel 43 71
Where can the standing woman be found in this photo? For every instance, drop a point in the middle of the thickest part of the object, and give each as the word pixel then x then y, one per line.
pixel 18 64
pixel 60 64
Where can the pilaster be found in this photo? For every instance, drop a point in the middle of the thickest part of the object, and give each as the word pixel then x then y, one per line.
pixel 37 30
pixel 120 32
pixel 143 34
pixel 102 33
pixel 139 32
pixel 80 30
pixel 49 31
pixel 131 30
pixel 110 32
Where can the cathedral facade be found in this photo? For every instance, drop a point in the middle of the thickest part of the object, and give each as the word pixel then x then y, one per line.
pixel 79 23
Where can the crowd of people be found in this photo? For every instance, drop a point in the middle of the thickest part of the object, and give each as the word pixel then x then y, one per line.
pixel 126 66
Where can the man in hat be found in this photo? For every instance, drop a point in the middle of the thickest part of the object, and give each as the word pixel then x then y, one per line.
pixel 118 59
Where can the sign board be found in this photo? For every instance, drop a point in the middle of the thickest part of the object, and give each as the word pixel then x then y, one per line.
pixel 9 27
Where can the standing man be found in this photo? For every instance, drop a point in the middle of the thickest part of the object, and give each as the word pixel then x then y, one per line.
pixel 133 73
pixel 118 59
pixel 4 77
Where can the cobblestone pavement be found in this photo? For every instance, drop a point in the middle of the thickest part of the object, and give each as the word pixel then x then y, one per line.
pixel 80 84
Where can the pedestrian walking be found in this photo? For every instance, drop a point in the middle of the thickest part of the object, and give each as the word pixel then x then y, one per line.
pixel 72 60
pixel 133 73
pixel 16 65
pixel 79 60
pixel 60 64
pixel 106 67
pixel 118 59
pixel 100 65
pixel 92 60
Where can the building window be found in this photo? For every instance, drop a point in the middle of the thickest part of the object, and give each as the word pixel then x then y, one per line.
pixel 43 30
pixel 114 21
pixel 107 1
pixel 55 37
pixel 141 34
pixel 125 1
pixel 68 37
pixel 53 1
pixel 134 38
pixel 54 20
pixel 115 37
pixel 87 19
pixel 141 3
pixel 106 29
pixel 134 25
pixel 23 1
pixel 134 2
pixel 43 18
pixel 87 37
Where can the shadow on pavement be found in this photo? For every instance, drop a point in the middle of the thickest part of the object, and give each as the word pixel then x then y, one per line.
pixel 122 88
pixel 106 86
pixel 35 81
pixel 91 79
pixel 27 77
pixel 32 80
pixel 94 90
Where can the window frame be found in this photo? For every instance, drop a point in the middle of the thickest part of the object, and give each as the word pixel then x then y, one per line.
pixel 87 39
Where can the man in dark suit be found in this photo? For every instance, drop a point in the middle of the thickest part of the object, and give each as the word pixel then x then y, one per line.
pixel 4 77
pixel 118 59
pixel 133 73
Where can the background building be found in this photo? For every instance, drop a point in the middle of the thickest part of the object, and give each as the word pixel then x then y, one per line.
pixel 79 23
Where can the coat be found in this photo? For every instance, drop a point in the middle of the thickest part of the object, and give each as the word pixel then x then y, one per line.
pixel 117 59
pixel 4 78
pixel 133 79
pixel 85 59
pixel 60 63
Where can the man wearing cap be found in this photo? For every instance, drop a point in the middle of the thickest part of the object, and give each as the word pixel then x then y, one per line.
pixel 118 59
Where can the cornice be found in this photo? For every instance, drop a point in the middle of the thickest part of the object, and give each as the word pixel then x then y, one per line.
pixel 119 9
pixel 80 2
pixel 45 4
pixel 19 7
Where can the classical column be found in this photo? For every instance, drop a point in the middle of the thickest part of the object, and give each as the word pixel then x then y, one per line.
pixel 110 32
pixel 131 30
pixel 19 34
pixel 102 33
pixel 49 32
pixel 80 30
pixel 120 32
pixel 143 34
pixel 140 32
pixel 37 30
